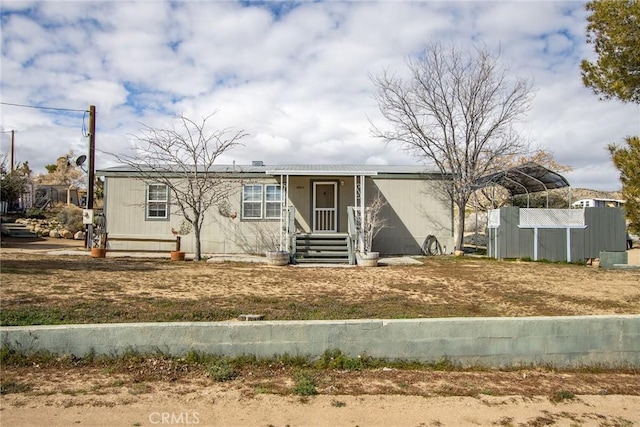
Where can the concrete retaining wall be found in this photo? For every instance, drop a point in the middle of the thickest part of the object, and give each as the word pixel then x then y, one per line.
pixel 558 341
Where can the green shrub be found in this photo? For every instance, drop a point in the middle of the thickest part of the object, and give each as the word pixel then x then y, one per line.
pixel 334 359
pixel 221 371
pixel 305 385
pixel 34 213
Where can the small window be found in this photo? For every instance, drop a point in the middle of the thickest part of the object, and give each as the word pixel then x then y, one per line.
pixel 261 201
pixel 157 201
pixel 252 201
pixel 273 201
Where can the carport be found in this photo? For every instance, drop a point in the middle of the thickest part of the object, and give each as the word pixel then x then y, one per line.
pixel 524 179
pixel 569 235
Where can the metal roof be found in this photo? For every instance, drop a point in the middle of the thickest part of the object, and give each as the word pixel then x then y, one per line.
pixel 369 170
pixel 327 170
pixel 524 179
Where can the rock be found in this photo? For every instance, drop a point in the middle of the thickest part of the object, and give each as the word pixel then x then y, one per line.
pixel 458 253
pixel 250 317
pixel 54 233
pixel 475 239
pixel 66 234
pixel 79 235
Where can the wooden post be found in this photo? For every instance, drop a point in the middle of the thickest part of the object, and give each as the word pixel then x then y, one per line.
pixel 92 155
pixel 91 177
pixel 177 243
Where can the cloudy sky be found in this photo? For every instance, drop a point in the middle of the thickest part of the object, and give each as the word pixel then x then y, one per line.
pixel 295 76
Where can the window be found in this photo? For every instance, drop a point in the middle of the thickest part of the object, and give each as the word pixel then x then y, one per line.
pixel 157 201
pixel 273 201
pixel 261 201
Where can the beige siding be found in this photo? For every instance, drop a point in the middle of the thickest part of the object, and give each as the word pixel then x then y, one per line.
pixel 300 196
pixel 125 212
pixel 415 209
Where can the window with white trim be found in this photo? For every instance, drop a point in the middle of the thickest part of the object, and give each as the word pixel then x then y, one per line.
pixel 272 201
pixel 157 201
pixel 261 201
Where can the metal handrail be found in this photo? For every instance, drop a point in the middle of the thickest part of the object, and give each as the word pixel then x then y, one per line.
pixel 291 227
pixel 352 232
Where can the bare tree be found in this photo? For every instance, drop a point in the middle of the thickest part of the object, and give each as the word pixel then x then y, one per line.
pixel 374 221
pixel 456 111
pixel 183 158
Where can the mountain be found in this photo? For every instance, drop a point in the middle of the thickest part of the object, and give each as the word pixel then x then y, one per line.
pixel 585 193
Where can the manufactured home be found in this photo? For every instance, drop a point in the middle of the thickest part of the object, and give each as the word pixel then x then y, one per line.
pixel 598 203
pixel 309 210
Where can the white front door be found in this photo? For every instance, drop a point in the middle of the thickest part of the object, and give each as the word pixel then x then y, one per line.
pixel 325 206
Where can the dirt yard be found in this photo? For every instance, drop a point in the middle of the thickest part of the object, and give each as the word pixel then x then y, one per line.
pixel 44 289
pixel 381 397
pixel 37 288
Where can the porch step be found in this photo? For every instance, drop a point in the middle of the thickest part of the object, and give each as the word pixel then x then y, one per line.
pixel 17 230
pixel 322 248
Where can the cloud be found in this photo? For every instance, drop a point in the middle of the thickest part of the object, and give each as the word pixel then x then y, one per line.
pixel 295 76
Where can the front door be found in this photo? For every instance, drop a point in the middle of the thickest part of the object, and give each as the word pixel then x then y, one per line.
pixel 325 206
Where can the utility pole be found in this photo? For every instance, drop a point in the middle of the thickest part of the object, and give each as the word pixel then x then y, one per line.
pixel 92 155
pixel 13 136
pixel 91 177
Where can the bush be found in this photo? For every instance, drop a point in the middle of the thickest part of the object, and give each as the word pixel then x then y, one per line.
pixel 34 213
pixel 334 359
pixel 221 371
pixel 305 385
pixel 70 217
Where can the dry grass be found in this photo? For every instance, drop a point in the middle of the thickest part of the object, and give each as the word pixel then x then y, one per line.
pixel 41 289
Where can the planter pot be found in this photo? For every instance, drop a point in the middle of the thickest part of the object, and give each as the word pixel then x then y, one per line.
pixel 177 255
pixel 368 259
pixel 277 257
pixel 98 252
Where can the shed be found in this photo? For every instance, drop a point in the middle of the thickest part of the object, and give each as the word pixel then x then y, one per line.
pixel 570 235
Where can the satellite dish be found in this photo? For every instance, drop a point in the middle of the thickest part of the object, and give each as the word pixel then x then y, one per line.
pixel 80 160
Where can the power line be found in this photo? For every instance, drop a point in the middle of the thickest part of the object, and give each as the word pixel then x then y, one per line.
pixel 43 108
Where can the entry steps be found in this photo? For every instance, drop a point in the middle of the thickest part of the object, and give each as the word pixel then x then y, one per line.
pixel 16 230
pixel 326 248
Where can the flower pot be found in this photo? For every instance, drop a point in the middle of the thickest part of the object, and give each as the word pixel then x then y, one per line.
pixel 277 257
pixel 368 259
pixel 177 255
pixel 98 252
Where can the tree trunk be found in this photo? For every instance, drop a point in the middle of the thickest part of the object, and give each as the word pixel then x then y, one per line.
pixel 196 232
pixel 460 226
